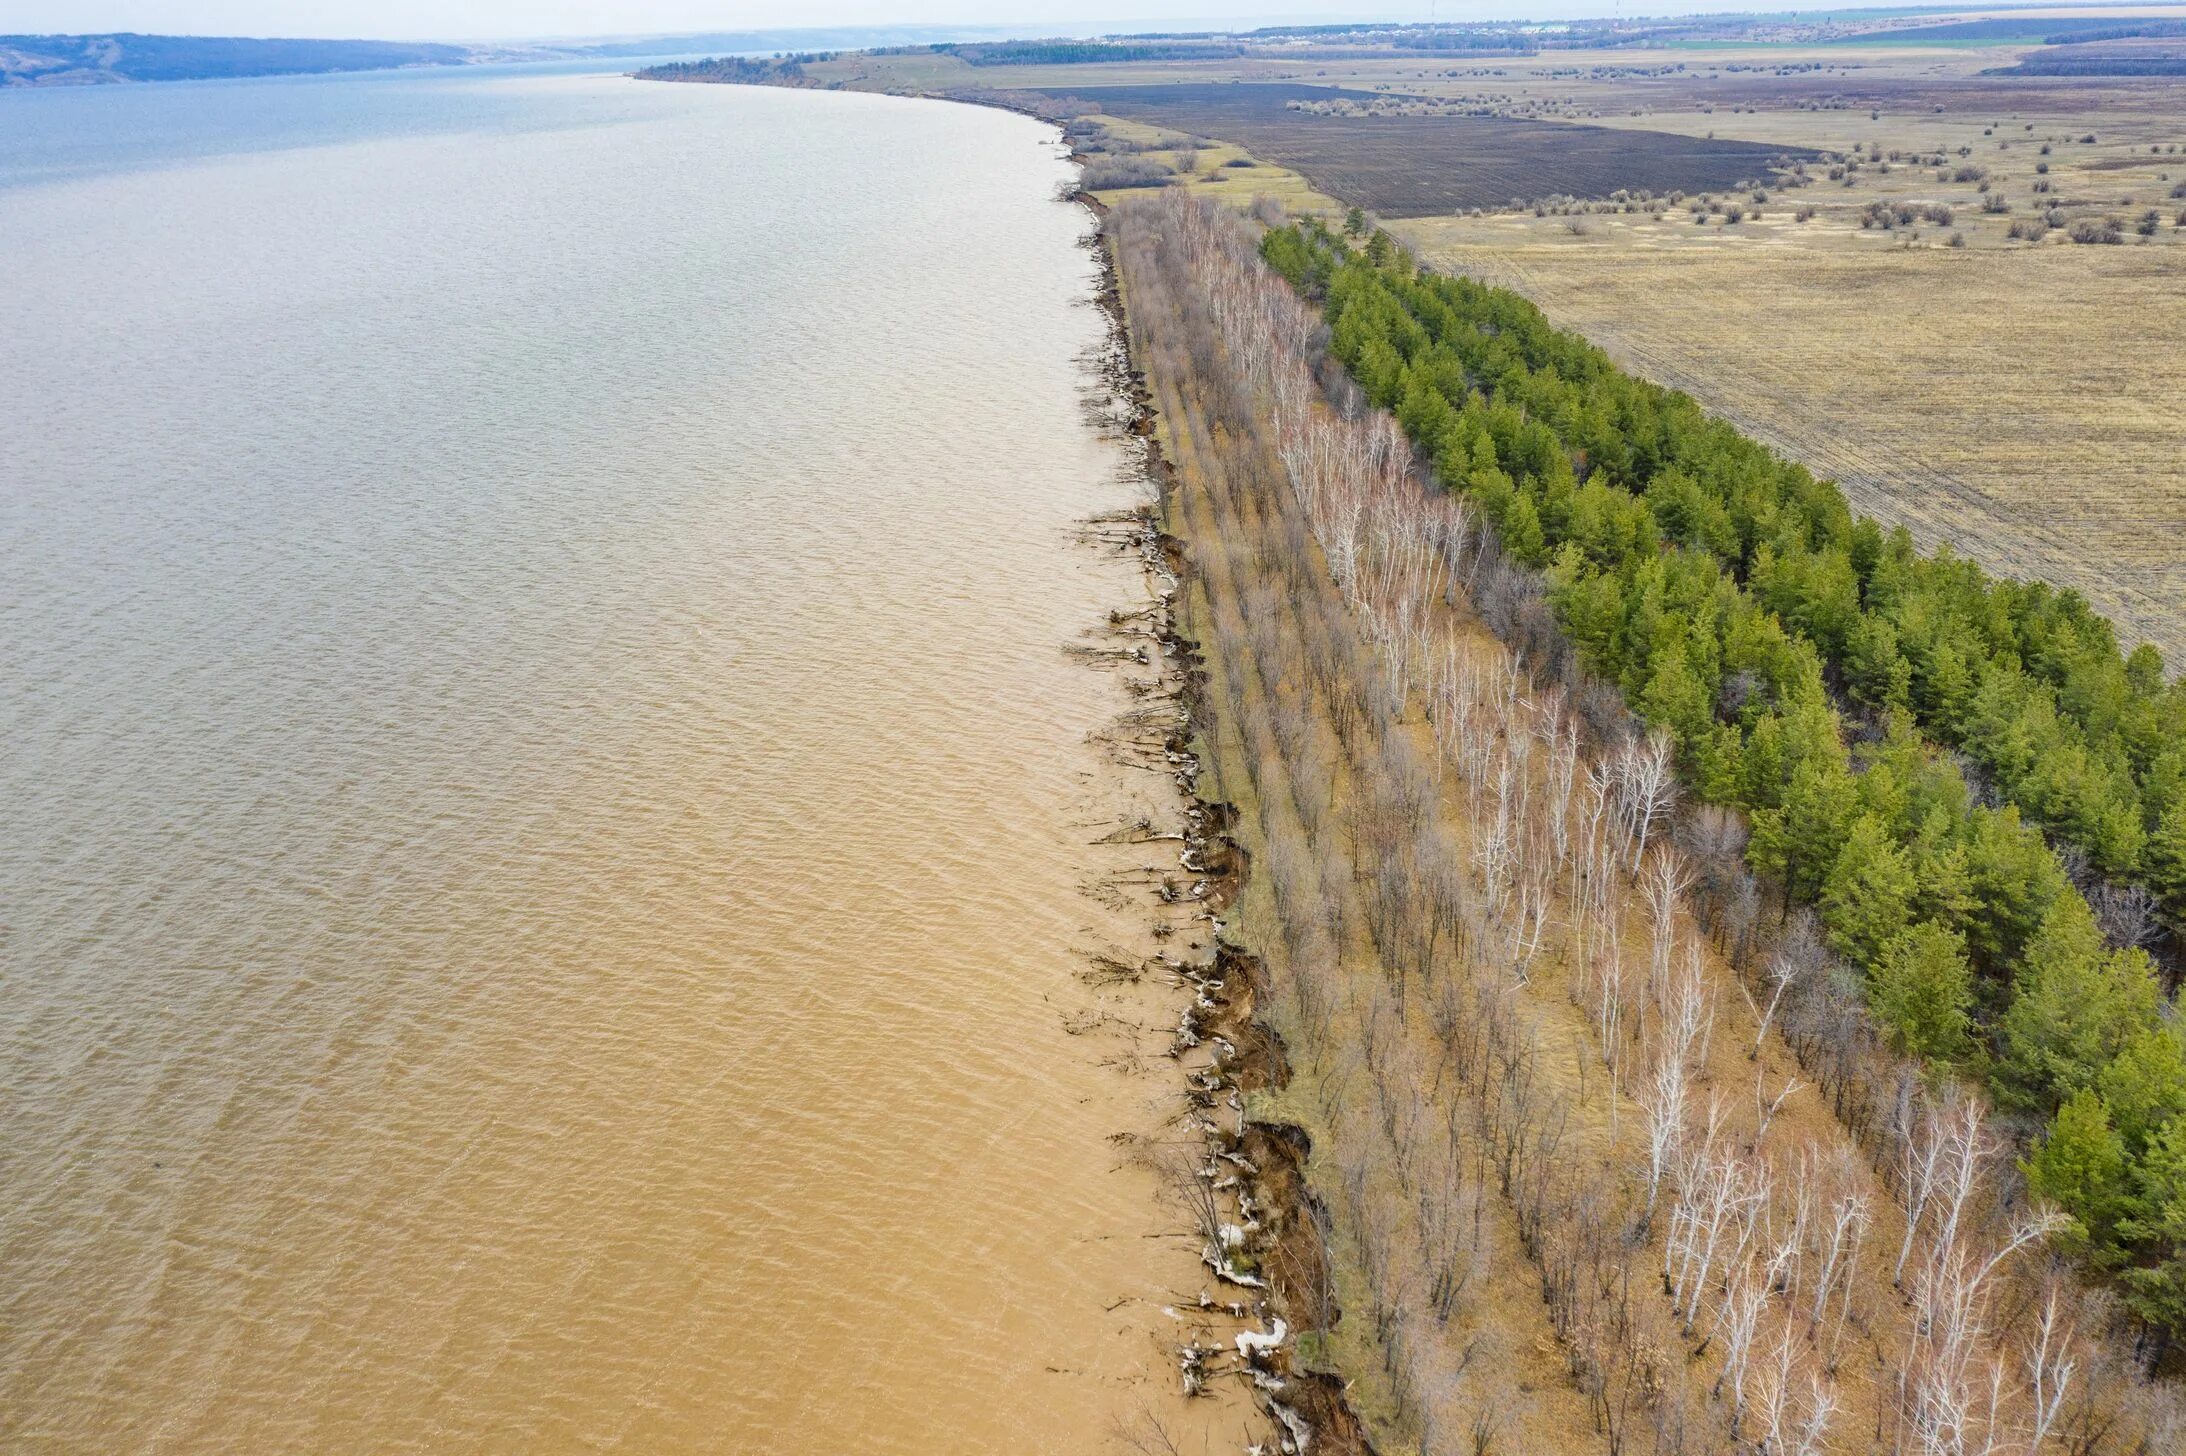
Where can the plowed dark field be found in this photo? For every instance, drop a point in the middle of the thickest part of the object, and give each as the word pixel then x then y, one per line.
pixel 1417 166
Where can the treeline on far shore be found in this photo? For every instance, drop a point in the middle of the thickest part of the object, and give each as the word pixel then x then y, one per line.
pixel 738 70
pixel 1901 730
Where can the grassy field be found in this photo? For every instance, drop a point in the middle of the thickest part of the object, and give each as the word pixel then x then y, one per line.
pixel 1222 169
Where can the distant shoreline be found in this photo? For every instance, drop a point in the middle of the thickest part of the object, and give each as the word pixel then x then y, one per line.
pixel 98 60
pixel 112 57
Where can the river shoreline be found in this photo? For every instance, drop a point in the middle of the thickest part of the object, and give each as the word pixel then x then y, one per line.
pixel 1237 1181
pixel 1256 1166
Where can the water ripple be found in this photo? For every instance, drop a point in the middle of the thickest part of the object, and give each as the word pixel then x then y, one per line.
pixel 539 788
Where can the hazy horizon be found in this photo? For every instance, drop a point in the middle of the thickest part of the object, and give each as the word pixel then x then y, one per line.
pixel 494 20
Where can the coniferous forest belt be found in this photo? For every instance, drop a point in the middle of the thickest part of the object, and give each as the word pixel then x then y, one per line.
pixel 1737 600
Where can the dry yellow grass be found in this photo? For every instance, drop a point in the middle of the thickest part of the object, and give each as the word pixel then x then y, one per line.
pixel 1222 170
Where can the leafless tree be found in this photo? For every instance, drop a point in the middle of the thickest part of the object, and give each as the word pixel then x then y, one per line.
pixel 1646 789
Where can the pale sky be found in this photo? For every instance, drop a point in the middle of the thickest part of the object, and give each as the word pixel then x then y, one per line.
pixel 513 19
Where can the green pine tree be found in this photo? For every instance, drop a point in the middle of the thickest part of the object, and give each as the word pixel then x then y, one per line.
pixel 1922 991
pixel 2145 1084
pixel 1867 899
pixel 1800 842
pixel 2164 859
pixel 2158 1224
pixel 2075 1006
pixel 2080 1167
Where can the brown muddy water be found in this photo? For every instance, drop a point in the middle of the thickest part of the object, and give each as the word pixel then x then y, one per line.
pixel 548 818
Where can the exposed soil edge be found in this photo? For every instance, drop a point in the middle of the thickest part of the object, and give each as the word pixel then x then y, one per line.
pixel 1270 1158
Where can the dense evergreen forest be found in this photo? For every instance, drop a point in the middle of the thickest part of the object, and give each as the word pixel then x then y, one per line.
pixel 736 70
pixel 1901 728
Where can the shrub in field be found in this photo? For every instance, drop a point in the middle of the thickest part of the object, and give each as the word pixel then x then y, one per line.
pixel 1116 173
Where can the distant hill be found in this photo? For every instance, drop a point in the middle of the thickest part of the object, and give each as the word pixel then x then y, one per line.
pixel 73 60
pixel 67 60
pixel 802 38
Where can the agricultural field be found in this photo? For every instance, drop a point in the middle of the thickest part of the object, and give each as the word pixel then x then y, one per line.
pixel 1915 318
pixel 1418 166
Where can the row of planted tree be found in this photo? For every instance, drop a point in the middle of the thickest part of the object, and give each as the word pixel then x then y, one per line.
pixel 1552 1108
pixel 2027 681
pixel 1813 671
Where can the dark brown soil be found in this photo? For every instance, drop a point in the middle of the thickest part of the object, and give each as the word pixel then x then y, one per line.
pixel 1416 166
